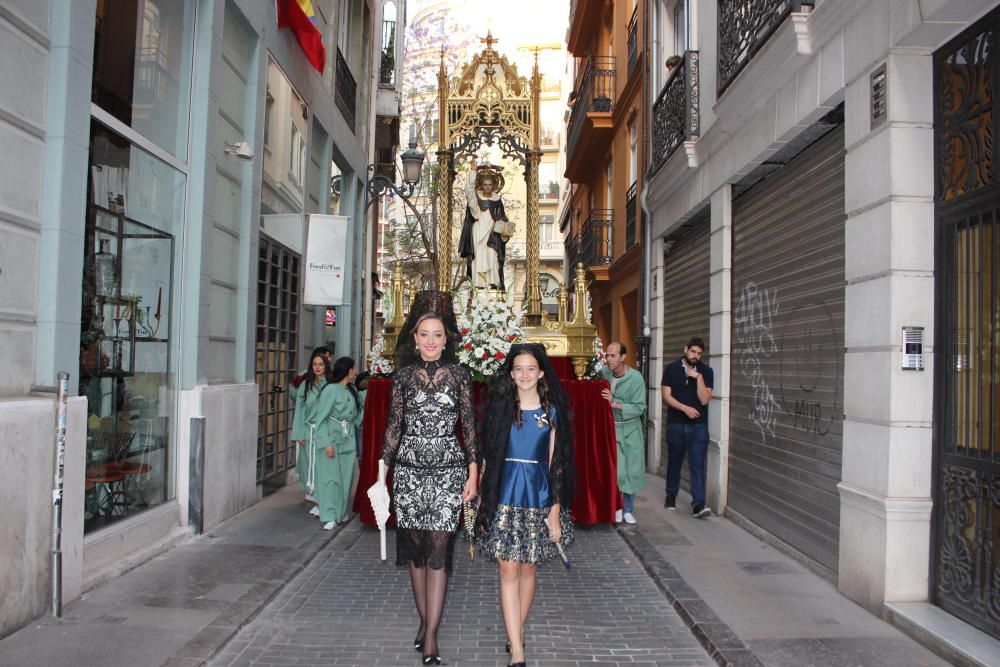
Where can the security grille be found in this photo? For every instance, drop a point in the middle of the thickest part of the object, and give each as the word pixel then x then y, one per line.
pixel 786 409
pixel 276 363
pixel 685 298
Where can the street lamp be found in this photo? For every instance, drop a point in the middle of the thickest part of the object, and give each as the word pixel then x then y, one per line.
pixel 413 165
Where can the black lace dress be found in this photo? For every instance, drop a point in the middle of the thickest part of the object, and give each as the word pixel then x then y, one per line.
pixel 429 466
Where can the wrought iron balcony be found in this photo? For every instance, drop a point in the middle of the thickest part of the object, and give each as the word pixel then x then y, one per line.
pixel 572 245
pixel 633 216
pixel 596 239
pixel 633 40
pixel 744 27
pixel 676 116
pixel 595 94
pixel 346 92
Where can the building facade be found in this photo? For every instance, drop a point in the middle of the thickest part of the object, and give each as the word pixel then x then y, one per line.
pixel 822 214
pixel 154 224
pixel 605 154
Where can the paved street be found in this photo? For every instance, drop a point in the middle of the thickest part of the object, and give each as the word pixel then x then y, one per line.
pixel 347 608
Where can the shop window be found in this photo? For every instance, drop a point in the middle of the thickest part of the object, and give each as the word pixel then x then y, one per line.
pixel 135 207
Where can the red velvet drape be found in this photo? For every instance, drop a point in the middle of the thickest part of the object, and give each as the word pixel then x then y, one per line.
pixel 593 438
pixel 372 431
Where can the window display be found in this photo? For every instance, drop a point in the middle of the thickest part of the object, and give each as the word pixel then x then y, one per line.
pixel 125 351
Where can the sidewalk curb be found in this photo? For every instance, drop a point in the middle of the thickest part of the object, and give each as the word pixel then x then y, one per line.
pixel 209 643
pixel 717 638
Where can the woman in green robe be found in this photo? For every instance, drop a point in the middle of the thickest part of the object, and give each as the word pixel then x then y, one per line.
pixel 296 392
pixel 304 422
pixel 337 415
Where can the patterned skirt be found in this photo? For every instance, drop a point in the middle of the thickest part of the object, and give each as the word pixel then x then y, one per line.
pixel 520 534
pixel 428 504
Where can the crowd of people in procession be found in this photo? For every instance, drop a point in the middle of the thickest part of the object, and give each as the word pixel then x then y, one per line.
pixel 515 460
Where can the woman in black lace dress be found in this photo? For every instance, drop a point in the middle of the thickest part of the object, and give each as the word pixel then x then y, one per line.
pixel 432 472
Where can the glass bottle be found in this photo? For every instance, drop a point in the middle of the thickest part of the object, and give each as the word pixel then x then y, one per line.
pixel 106 271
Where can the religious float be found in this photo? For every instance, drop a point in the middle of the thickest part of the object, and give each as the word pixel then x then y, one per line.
pixel 489 104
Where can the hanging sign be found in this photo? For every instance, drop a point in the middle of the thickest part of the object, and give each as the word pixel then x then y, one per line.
pixel 326 259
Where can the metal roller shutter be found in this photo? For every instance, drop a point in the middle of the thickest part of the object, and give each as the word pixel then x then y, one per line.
pixel 685 299
pixel 786 416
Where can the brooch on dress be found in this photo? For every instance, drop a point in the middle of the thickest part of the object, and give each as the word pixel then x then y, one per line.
pixel 541 419
pixel 444 399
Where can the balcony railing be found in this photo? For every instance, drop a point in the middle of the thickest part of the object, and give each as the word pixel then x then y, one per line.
pixel 676 117
pixel 633 41
pixel 595 93
pixel 633 216
pixel 387 66
pixel 595 238
pixel 346 94
pixel 744 27
pixel 572 245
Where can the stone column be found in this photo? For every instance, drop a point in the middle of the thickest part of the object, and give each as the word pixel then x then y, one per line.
pixel 656 424
pixel 885 493
pixel 532 292
pixel 445 247
pixel 720 345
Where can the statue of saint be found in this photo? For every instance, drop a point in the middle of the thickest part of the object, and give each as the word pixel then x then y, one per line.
pixel 486 229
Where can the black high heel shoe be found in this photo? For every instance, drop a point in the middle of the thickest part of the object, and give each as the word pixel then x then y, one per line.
pixel 418 644
pixel 518 664
pixel 433 659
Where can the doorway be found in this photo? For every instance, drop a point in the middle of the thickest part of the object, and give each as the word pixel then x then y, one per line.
pixel 276 359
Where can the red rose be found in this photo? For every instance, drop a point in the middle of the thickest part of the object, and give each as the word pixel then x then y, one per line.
pixel 486 355
pixel 468 346
pixel 466 331
pixel 500 355
pixel 511 338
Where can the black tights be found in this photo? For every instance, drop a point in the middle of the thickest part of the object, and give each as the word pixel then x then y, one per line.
pixel 429 589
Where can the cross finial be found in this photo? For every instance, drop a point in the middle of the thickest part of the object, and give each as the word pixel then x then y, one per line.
pixel 489 40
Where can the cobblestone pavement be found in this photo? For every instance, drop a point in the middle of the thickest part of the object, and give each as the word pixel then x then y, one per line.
pixel 348 608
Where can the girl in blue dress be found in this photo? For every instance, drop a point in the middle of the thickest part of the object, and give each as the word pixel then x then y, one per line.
pixel 528 480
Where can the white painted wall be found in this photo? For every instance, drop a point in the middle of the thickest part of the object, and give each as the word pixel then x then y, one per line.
pixel 27 455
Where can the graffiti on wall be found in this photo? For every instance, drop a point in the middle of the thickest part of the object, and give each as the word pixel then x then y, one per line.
pixel 753 328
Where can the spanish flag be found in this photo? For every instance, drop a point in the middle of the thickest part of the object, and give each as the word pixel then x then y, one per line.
pixel 300 16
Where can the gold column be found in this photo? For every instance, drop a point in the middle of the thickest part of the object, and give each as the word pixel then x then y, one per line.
pixel 445 156
pixel 391 329
pixel 445 242
pixel 532 292
pixel 579 332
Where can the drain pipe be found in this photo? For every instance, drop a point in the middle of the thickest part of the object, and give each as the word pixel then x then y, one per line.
pixel 55 554
pixel 647 256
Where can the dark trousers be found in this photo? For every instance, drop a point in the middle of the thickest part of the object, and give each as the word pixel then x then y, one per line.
pixel 689 440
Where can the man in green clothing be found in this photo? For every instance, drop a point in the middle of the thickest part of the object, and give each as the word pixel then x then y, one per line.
pixel 627 397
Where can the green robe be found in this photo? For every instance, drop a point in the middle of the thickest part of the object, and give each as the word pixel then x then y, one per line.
pixel 330 417
pixel 297 394
pixel 630 428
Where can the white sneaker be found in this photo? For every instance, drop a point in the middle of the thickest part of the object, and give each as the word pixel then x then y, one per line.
pixel 629 517
pixel 310 498
pixel 329 525
pixel 618 516
pixel 314 511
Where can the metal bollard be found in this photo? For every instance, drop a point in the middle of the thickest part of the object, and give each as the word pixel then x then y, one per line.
pixel 196 475
pixel 57 494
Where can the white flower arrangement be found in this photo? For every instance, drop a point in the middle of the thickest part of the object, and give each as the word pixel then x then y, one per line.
pixel 598 361
pixel 378 364
pixel 488 329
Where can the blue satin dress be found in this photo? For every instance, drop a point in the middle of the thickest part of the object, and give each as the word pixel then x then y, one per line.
pixel 518 531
